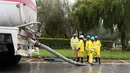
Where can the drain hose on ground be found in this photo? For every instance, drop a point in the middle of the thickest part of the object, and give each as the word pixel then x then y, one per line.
pixel 60 56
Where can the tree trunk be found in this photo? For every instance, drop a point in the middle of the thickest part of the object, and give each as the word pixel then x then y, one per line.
pixel 124 41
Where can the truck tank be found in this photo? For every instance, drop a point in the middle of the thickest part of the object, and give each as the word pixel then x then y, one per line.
pixel 17 12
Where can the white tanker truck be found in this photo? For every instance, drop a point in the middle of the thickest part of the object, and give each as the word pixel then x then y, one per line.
pixel 17 26
pixel 18 31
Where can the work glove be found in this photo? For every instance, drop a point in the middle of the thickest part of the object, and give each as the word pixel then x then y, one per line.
pixel 91 50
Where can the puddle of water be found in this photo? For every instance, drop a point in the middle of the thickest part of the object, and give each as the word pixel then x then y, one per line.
pixel 65 68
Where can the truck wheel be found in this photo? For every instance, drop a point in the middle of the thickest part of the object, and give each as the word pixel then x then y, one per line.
pixel 16 59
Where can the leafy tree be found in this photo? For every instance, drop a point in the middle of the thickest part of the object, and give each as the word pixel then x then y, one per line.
pixel 53 16
pixel 86 16
pixel 116 12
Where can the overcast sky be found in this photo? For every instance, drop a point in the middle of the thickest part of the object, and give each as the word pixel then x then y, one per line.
pixel 71 1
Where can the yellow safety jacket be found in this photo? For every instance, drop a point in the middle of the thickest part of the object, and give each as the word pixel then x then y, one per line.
pixel 81 45
pixel 88 44
pixel 91 49
pixel 74 42
pixel 97 45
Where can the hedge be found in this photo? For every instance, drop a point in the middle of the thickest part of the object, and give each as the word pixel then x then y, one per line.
pixel 58 43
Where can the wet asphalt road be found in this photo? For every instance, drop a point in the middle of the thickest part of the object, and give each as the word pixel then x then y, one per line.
pixel 65 68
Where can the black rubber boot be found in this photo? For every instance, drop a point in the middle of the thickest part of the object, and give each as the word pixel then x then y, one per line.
pixel 96 59
pixel 99 59
pixel 87 58
pixel 91 64
pixel 74 59
pixel 81 59
pixel 77 59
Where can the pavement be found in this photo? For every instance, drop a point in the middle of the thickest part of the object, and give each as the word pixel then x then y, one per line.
pixel 59 60
pixel 34 65
pixel 42 67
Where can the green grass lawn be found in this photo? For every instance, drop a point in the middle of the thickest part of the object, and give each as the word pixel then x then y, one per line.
pixel 104 54
pixel 115 55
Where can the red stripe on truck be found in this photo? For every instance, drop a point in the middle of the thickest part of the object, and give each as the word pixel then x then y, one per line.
pixel 28 3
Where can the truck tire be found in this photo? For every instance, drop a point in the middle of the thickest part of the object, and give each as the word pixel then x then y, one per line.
pixel 15 59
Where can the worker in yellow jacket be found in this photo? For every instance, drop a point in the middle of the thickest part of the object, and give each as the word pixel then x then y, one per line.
pixel 97 46
pixel 91 51
pixel 87 46
pixel 80 49
pixel 74 45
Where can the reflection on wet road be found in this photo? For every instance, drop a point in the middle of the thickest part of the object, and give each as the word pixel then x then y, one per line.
pixel 65 68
